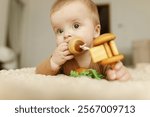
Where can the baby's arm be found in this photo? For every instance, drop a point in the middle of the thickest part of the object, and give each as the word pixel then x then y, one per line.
pixel 119 72
pixel 47 68
pixel 52 65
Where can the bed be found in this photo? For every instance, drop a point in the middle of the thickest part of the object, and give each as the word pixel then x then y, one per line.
pixel 25 84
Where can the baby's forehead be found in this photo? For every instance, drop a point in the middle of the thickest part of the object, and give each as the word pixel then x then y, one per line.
pixel 72 11
pixel 66 20
pixel 64 3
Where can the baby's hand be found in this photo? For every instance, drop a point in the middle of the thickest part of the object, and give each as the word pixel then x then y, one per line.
pixel 119 72
pixel 61 54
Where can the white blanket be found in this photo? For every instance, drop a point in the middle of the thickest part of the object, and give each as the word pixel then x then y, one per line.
pixel 25 84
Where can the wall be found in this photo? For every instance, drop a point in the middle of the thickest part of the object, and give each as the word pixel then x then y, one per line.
pixel 15 25
pixel 4 8
pixel 129 21
pixel 38 41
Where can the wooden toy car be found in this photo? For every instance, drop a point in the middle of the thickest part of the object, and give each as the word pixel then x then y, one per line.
pixel 104 50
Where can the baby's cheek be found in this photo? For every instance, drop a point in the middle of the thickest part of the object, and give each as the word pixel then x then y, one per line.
pixel 59 41
pixel 89 42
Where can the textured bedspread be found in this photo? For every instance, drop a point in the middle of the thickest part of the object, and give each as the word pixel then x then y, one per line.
pixel 25 84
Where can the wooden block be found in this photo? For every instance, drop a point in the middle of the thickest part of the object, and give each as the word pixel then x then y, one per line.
pixel 98 53
pixel 113 48
pixel 108 50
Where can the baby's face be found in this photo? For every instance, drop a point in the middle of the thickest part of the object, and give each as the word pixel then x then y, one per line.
pixel 73 20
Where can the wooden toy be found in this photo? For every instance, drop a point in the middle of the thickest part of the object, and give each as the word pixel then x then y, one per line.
pixel 75 45
pixel 104 50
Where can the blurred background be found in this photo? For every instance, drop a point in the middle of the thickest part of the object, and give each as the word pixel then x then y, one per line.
pixel 26 37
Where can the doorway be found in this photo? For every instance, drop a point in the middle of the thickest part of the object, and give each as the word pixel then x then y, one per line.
pixel 104 14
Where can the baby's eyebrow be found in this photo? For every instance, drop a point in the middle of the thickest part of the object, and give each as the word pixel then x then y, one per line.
pixel 74 20
pixel 55 27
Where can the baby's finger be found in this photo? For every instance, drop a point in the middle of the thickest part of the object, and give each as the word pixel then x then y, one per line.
pixel 125 77
pixel 111 75
pixel 63 44
pixel 69 57
pixel 67 52
pixel 63 47
pixel 121 73
pixel 118 66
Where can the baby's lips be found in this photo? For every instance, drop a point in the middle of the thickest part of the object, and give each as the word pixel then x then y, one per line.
pixel 67 40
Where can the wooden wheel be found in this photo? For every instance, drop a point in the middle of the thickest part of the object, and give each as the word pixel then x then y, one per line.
pixel 103 38
pixel 74 45
pixel 112 60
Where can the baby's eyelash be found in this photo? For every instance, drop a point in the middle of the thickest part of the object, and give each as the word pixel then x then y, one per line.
pixel 59 31
pixel 76 25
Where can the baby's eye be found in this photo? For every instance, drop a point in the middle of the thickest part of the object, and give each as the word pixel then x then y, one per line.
pixel 59 31
pixel 76 26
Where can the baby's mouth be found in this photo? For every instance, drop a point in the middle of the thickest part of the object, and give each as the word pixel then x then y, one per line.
pixel 77 46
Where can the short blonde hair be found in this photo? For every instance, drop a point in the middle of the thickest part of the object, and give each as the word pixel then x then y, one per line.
pixel 89 3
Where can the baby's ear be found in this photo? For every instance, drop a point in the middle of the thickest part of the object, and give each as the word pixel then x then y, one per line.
pixel 97 30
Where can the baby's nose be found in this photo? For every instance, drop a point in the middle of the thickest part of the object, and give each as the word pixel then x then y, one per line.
pixel 67 39
pixel 67 35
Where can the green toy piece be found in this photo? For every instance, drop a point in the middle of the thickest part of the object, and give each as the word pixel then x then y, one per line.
pixel 89 73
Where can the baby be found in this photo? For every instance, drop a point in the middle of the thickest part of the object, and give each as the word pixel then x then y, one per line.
pixel 76 18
